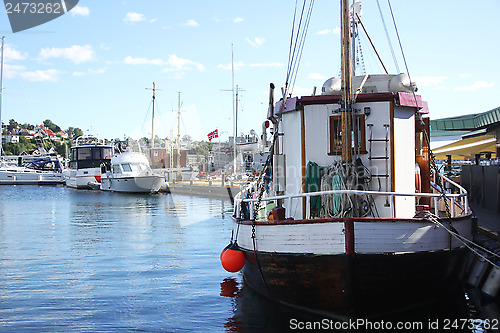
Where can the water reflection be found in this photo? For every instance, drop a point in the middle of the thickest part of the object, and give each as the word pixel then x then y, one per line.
pixel 253 312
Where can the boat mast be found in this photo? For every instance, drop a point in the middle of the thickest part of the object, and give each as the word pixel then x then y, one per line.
pixel 235 115
pixel 153 120
pixel 179 173
pixel 1 96
pixel 346 77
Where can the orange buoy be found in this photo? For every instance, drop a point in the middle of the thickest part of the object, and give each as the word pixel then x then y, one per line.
pixel 232 259
pixel 224 250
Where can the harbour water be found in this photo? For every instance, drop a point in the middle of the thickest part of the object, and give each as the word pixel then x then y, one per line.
pixel 90 261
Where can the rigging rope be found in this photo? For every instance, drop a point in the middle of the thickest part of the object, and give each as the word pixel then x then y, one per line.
pixel 388 38
pixel 297 41
pixel 436 220
pixel 419 116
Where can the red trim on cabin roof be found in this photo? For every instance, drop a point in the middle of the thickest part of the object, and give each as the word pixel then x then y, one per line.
pixel 334 99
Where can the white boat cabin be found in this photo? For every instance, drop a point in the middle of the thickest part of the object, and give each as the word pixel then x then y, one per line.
pixel 386 137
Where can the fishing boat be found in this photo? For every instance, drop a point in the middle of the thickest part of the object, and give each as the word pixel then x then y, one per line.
pixel 350 219
pixel 129 172
pixel 86 156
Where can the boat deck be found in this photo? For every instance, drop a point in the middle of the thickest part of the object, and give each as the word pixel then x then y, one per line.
pixel 488 221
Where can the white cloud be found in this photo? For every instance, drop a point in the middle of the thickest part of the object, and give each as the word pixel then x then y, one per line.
pixel 41 76
pixel 104 46
pixel 80 10
pixel 176 63
pixel 238 19
pixel 78 74
pixel 191 23
pixel 12 54
pixel 143 61
pixel 237 66
pixel 476 86
pixel 300 91
pixel 256 42
pixel 132 17
pixel 11 71
pixel 335 31
pixel 173 63
pixel 429 81
pixel 153 20
pixel 179 75
pixel 75 53
pixel 316 76
pixel 464 76
pixel 98 71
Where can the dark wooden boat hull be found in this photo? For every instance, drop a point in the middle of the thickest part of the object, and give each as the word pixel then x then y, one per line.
pixel 354 286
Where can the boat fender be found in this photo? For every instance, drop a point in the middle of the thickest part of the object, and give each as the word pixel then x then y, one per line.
pixel 418 179
pixel 492 284
pixel 232 258
pixel 224 250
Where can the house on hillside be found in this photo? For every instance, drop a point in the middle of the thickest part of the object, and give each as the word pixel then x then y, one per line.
pixel 10 138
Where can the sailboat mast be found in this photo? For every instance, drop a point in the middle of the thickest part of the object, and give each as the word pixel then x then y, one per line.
pixel 179 137
pixel 235 115
pixel 1 96
pixel 346 102
pixel 153 120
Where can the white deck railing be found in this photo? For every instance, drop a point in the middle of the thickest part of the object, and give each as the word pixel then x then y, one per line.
pixel 457 202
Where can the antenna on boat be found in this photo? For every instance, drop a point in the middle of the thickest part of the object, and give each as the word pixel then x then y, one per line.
pixel 1 96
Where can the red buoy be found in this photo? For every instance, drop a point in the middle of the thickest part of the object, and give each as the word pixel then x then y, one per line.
pixel 224 250
pixel 232 260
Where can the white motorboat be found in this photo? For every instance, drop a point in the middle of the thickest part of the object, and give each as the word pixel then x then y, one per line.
pixel 40 171
pixel 129 172
pixel 86 157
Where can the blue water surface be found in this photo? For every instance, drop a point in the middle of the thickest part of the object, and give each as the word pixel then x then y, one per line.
pixel 73 260
pixel 91 261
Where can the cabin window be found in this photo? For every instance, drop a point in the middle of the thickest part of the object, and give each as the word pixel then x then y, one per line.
pixel 84 154
pixel 116 168
pixel 358 136
pixel 126 167
pixel 96 153
pixel 106 153
pixel 136 167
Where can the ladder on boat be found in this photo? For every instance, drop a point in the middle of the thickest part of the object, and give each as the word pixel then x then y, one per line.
pixel 385 157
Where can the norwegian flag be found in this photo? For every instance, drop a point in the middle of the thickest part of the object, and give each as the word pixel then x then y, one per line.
pixel 213 135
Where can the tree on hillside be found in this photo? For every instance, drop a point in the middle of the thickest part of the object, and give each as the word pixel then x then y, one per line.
pixel 53 127
pixel 12 124
pixel 74 132
pixel 27 126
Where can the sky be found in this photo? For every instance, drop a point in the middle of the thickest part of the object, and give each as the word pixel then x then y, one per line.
pixel 91 67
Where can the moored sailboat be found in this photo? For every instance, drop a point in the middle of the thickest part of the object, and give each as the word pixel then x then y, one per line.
pixel 341 223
